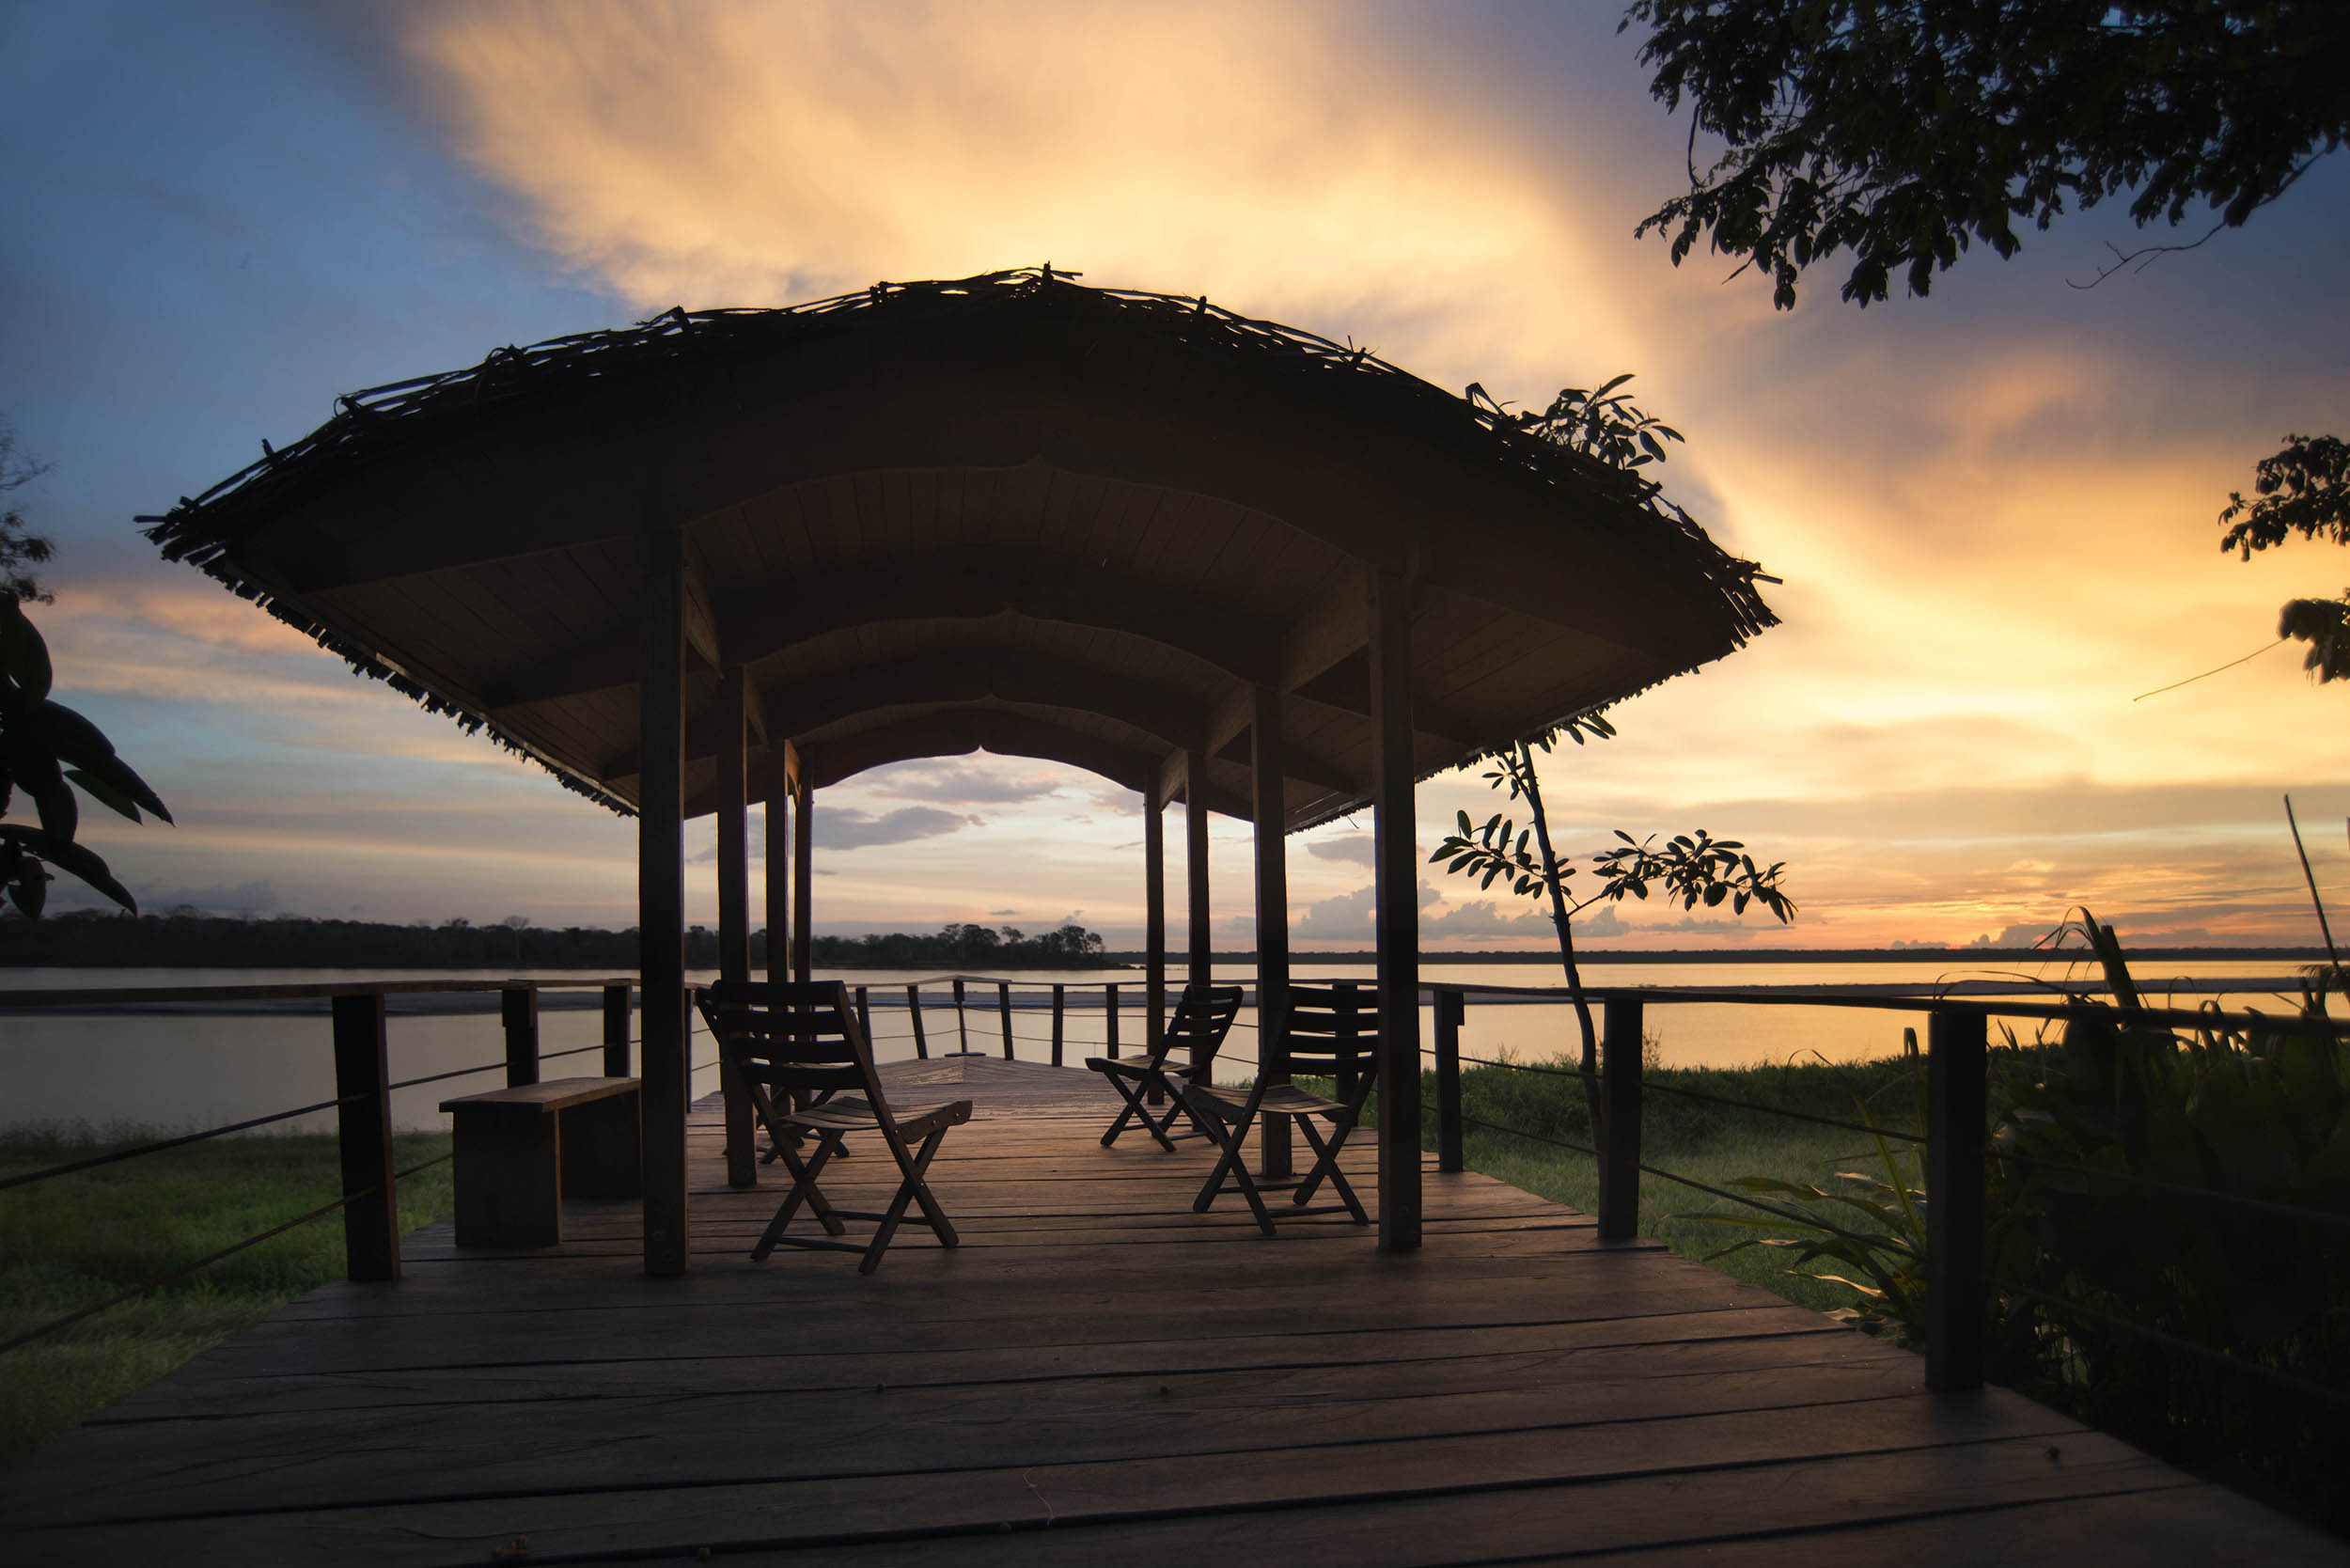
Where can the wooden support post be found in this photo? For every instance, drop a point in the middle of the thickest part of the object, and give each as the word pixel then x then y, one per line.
pixel 1619 1130
pixel 1109 1016
pixel 1269 807
pixel 1153 924
pixel 1395 878
pixel 518 1010
pixel 1956 1136
pixel 732 785
pixel 1003 1006
pixel 661 899
pixel 1196 863
pixel 962 1024
pixel 913 1012
pixel 363 1126
pixel 618 1014
pixel 1451 1009
pixel 1058 1000
pixel 779 816
pixel 802 884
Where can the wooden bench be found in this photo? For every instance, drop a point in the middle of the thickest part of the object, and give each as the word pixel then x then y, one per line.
pixel 521 1151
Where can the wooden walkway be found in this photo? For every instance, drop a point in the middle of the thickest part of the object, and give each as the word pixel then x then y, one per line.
pixel 1096 1376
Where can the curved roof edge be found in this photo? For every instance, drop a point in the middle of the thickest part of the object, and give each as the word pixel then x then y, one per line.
pixel 373 422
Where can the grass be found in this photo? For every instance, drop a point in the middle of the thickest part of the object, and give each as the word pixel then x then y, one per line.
pixel 1705 1142
pixel 70 1241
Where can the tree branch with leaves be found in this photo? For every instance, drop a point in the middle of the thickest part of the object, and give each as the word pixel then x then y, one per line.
pixel 2305 490
pixel 1602 423
pixel 47 750
pixel 20 549
pixel 1689 868
pixel 1900 132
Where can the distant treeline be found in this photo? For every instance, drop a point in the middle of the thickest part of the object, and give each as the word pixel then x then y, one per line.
pixel 188 941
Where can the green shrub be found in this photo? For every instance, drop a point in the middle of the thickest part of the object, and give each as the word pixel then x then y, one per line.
pixel 2134 1285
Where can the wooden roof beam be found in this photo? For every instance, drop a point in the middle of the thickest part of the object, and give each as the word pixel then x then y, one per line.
pixel 1007 675
pixel 1322 659
pixel 999 731
pixel 702 627
pixel 949 584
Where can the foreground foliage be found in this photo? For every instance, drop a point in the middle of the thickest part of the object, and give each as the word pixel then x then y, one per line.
pixel 1902 133
pixel 2167 1233
pixel 2214 1330
pixel 47 752
pixel 72 1241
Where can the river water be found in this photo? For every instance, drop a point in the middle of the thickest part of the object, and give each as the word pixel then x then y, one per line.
pixel 186 1068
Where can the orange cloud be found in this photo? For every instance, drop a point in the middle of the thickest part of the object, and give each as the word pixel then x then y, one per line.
pixel 1280 158
pixel 1995 535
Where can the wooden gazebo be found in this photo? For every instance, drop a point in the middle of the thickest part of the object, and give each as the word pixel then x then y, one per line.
pixel 737 556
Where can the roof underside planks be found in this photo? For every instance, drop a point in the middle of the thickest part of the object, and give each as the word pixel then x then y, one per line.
pixel 1007 513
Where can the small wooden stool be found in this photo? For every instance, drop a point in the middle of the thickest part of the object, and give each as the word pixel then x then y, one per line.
pixel 521 1151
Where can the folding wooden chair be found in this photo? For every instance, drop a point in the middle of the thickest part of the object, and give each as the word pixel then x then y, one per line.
pixel 802 1054
pixel 1202 1017
pixel 1330 1031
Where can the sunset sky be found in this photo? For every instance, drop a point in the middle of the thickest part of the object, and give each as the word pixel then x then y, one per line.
pixel 1993 508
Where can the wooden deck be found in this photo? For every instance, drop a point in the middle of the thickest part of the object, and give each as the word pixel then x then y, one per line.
pixel 1096 1376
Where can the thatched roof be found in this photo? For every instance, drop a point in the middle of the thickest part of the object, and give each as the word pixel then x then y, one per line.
pixel 1005 512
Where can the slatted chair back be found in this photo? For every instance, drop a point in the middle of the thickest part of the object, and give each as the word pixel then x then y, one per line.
pixel 1332 1031
pixel 1196 1029
pixel 1328 1032
pixel 801 1041
pixel 1202 1017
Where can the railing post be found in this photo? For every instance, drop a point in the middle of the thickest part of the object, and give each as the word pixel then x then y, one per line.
pixel 519 1005
pixel 1003 1006
pixel 1451 1008
pixel 1109 1013
pixel 616 1022
pixel 864 1015
pixel 1619 1126
pixel 1057 1023
pixel 364 1132
pixel 1956 1133
pixel 963 1022
pixel 914 1011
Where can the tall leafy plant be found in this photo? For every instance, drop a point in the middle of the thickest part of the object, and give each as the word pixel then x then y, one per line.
pixel 1872 1225
pixel 2171 1201
pixel 1602 423
pixel 47 751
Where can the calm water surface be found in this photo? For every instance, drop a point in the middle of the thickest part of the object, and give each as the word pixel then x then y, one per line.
pixel 187 1069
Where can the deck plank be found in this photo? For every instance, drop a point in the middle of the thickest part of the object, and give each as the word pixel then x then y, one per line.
pixel 1098 1374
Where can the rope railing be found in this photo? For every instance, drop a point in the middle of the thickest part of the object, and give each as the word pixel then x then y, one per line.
pixel 359 1014
pixel 452 1073
pixel 1017 1030
pixel 1958 1069
pixel 2300 1386
pixel 1747 1199
pixel 2177 1190
pixel 1867 1129
pixel 1649 1086
pixel 2193 1020
pixel 159 1145
pixel 150 1286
